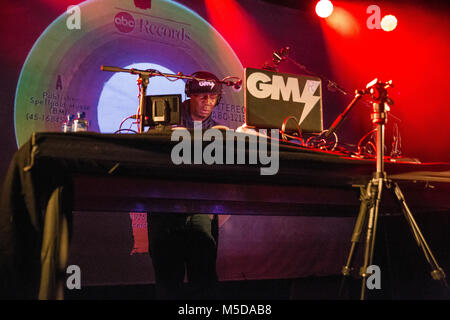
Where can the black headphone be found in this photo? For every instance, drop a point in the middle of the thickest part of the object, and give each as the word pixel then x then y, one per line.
pixel 193 86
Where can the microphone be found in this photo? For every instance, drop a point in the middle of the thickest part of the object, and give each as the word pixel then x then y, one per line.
pixel 334 87
pixel 236 86
pixel 280 55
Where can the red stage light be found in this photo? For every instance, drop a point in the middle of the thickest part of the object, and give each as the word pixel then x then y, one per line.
pixel 324 8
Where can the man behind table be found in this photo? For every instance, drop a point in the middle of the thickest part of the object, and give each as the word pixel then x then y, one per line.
pixel 182 242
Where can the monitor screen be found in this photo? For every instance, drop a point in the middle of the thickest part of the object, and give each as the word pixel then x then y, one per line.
pixel 162 109
pixel 272 97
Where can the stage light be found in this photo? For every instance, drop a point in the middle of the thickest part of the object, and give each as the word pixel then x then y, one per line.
pixel 324 8
pixel 388 23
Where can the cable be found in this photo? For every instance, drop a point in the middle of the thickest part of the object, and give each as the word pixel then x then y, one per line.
pixel 368 144
pixel 130 130
pixel 284 135
pixel 322 143
pixel 125 119
pixel 163 75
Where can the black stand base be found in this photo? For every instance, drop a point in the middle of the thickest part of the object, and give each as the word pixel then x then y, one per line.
pixel 367 223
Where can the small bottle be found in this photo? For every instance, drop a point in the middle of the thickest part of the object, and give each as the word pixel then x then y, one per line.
pixel 80 124
pixel 68 124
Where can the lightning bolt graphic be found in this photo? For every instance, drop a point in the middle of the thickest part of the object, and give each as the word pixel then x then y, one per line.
pixel 308 98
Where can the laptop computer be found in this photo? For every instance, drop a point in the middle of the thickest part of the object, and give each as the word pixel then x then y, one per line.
pixel 271 97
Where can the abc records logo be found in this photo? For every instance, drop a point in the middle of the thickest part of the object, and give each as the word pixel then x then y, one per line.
pixel 124 22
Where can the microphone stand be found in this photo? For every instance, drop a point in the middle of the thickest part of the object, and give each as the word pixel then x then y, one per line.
pixel 336 124
pixel 331 85
pixel 143 81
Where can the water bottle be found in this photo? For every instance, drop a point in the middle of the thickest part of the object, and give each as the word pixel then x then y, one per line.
pixel 80 124
pixel 68 124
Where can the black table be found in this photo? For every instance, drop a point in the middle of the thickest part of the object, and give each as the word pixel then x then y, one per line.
pixel 55 173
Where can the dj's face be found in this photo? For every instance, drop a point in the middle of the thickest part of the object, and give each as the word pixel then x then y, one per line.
pixel 202 105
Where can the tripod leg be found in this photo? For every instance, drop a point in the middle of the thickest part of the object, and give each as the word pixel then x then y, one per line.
pixel 357 231
pixel 375 195
pixel 437 272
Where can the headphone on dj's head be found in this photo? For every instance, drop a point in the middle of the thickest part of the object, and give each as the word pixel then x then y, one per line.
pixel 193 86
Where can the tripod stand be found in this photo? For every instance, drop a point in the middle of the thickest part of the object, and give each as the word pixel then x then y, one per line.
pixel 371 197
